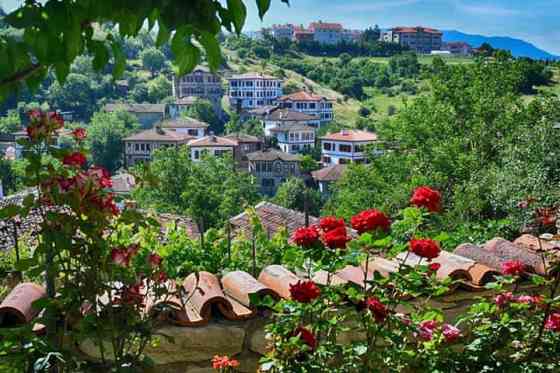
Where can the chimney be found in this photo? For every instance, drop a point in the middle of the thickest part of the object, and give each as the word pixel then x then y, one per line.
pixel 344 132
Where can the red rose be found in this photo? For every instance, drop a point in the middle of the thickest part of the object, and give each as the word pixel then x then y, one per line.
pixel 330 223
pixel 513 268
pixel 434 267
pixel 306 236
pixel 56 120
pixel 32 132
pixel 426 197
pixel 160 277
pixel 74 159
pixel 132 295
pixel 154 260
pixel 426 329
pixel 304 292
pixel 307 337
pixel 101 175
pixel 120 257
pixel 224 362
pixel 377 309
pixel 79 134
pixel 425 248
pixel 336 238
pixel 553 322
pixel 502 299
pixel 450 333
pixel 370 221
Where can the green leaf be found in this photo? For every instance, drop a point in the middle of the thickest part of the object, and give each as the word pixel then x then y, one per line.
pixel 120 60
pixel 187 55
pixel 238 13
pixel 25 264
pixel 163 34
pixel 263 6
pixel 9 212
pixel 212 48
pixel 61 69
pixel 100 54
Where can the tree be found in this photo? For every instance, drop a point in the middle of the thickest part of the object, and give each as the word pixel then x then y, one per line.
pixel 152 59
pixel 105 137
pixel 8 177
pixel 10 123
pixel 210 191
pixel 71 28
pixel 204 111
pixel 76 95
pixel 293 193
pixel 158 89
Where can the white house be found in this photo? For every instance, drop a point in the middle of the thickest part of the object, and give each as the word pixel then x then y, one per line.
pixel 283 31
pixel 284 117
pixel 189 126
pixel 294 138
pixel 253 90
pixel 212 145
pixel 346 146
pixel 327 33
pixel 309 103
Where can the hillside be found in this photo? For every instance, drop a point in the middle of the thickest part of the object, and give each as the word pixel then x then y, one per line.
pixel 518 47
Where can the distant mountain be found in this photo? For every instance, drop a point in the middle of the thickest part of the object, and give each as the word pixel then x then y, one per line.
pixel 519 48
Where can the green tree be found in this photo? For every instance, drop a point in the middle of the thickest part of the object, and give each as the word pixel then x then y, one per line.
pixel 295 195
pixel 210 191
pixel 204 111
pixel 158 89
pixel 8 177
pixel 152 59
pixel 10 123
pixel 105 134
pixel 76 95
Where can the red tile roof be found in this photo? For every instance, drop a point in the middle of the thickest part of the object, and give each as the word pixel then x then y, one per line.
pixel 159 134
pixel 325 26
pixel 351 135
pixel 212 140
pixel 330 173
pixel 303 96
pixel 416 29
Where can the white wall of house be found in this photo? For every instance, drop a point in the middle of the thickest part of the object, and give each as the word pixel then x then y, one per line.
pixel 294 142
pixel 343 152
pixel 195 132
pixel 254 93
pixel 198 152
pixel 322 109
pixel 327 36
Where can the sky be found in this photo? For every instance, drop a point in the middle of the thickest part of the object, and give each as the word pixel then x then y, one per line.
pixel 536 21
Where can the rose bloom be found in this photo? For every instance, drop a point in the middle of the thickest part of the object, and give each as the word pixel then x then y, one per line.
pixel 377 309
pixel 74 159
pixel 336 238
pixel 502 299
pixel 553 322
pixel 154 260
pixel 513 268
pixel 426 197
pixel 306 236
pixel 101 175
pixel 132 295
pixel 223 362
pixel 79 133
pixel 370 221
pixel 450 333
pixel 434 267
pixel 120 257
pixel 307 337
pixel 426 330
pixel 160 277
pixel 425 248
pixel 330 223
pixel 304 292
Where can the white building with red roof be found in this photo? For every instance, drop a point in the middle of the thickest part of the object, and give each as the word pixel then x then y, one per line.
pixel 253 90
pixel 309 103
pixel 419 39
pixel 327 33
pixel 212 145
pixel 346 146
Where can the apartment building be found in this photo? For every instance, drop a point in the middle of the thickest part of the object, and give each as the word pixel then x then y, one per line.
pixel 140 146
pixel 346 146
pixel 272 167
pixel 286 117
pixel 458 48
pixel 420 39
pixel 327 33
pixel 189 126
pixel 309 103
pixel 200 83
pixel 253 90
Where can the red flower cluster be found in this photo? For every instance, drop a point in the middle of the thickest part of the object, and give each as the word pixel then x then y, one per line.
pixel 450 333
pixel 154 260
pixel 307 337
pixel 553 322
pixel 370 221
pixel 304 292
pixel 434 267
pixel 506 298
pixel 336 238
pixel 330 223
pixel 306 236
pixel 427 328
pixel 132 295
pixel 43 125
pixel 79 134
pixel 546 217
pixel 123 255
pixel 426 197
pixel 377 309
pixel 224 362
pixel 425 248
pixel 513 268
pixel 76 159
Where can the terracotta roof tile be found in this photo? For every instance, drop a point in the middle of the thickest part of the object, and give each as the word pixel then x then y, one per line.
pixel 136 108
pixel 210 141
pixel 325 26
pixel 329 173
pixel 290 115
pixel 183 123
pixel 156 134
pixel 303 96
pixel 17 307
pixel 243 138
pixel 272 155
pixel 351 135
pixel 416 29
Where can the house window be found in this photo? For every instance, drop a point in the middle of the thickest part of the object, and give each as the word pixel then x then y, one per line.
pixel 137 147
pixel 267 183
pixel 148 147
pixel 327 146
pixel 193 132
pixel 358 148
pixel 343 161
pixel 345 148
pixel 326 159
pixel 196 154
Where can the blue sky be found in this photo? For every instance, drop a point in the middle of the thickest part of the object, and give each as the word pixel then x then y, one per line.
pixel 537 21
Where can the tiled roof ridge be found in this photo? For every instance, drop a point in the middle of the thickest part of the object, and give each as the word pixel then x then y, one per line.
pixel 230 293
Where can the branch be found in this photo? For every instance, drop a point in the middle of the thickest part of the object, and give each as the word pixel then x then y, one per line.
pixel 21 75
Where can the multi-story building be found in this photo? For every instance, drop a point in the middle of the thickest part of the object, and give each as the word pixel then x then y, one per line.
pixel 419 39
pixel 246 144
pixel 147 114
pixel 327 33
pixel 327 176
pixel 212 145
pixel 283 31
pixel 302 35
pixel 200 83
pixel 190 126
pixel 272 167
pixel 286 117
pixel 253 90
pixel 309 103
pixel 140 146
pixel 346 146
pixel 294 138
pixel 458 48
